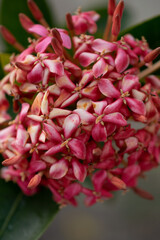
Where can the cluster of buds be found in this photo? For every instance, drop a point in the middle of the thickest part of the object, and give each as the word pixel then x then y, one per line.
pixel 77 114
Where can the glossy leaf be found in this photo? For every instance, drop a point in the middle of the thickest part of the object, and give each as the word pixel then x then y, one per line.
pixel 9 11
pixel 149 29
pixel 23 217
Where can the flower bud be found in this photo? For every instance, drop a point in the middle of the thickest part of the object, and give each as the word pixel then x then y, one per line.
pixel 36 12
pixel 111 7
pixel 152 55
pixel 7 35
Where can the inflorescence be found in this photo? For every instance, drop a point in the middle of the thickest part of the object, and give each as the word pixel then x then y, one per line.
pixel 76 110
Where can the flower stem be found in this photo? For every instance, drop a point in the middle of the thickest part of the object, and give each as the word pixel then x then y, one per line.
pixel 108 27
pixel 149 70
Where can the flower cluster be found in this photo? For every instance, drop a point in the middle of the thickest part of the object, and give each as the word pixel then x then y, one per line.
pixel 77 113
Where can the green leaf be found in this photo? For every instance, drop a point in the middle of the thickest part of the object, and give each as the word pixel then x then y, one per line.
pixel 9 11
pixel 149 29
pixel 23 217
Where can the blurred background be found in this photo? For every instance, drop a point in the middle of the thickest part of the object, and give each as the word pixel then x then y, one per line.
pixel 139 9
pixel 127 216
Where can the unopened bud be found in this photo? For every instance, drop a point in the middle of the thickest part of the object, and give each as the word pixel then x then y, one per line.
pixel 11 161
pixel 69 21
pixel 111 7
pixel 56 35
pixel 23 66
pixel 36 12
pixel 25 21
pixel 117 182
pixel 119 9
pixel 7 35
pixel 34 182
pixel 116 26
pixel 152 55
pixel 57 46
pixel 143 193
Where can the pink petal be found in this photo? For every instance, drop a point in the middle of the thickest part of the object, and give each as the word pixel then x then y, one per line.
pixel 114 107
pixel 87 58
pixel 54 89
pixel 21 137
pixel 52 133
pixel 45 77
pixel 64 95
pixel 28 87
pixel 99 106
pixel 100 68
pixel 107 88
pixel 86 117
pixel 38 29
pixel 138 95
pixel 99 132
pixel 77 148
pixel 79 170
pixel 34 131
pixel 7 132
pixel 98 179
pixel 42 136
pixel 59 169
pixel 91 91
pixel 58 112
pixel 131 143
pixel 74 69
pixel 116 118
pixel 36 75
pixel 35 118
pixel 65 82
pixel 130 172
pixel 54 66
pixel 53 150
pixel 84 103
pixel 36 105
pixel 107 151
pixel 71 124
pixel 121 61
pixel 154 81
pixel 80 24
pixel 99 45
pixel 129 82
pixel 44 104
pixel 65 38
pixel 72 190
pixel 86 78
pixel 74 97
pixel 24 111
pixel 136 106
pixel 43 44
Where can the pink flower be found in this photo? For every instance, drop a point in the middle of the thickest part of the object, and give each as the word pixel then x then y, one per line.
pixel 75 110
pixel 85 21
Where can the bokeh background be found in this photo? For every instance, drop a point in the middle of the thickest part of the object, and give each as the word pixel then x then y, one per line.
pixel 126 216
